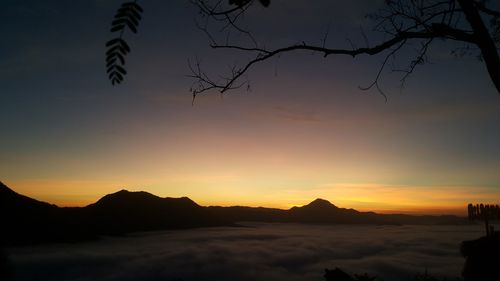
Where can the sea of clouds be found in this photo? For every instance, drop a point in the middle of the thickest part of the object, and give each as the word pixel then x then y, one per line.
pixel 258 252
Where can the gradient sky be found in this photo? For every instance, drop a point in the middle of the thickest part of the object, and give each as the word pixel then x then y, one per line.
pixel 303 131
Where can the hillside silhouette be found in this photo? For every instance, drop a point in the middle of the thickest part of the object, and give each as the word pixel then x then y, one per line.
pixel 28 221
pixel 323 212
pixel 126 211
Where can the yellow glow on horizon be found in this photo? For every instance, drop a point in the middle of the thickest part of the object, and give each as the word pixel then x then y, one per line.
pixel 362 197
pixel 244 153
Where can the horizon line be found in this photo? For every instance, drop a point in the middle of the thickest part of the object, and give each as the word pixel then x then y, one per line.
pixel 433 211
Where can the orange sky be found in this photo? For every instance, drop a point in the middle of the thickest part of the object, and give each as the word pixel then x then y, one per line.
pixel 280 155
pixel 363 197
pixel 303 131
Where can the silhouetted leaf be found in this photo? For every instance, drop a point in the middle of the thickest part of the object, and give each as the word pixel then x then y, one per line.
pixel 132 27
pixel 133 20
pixel 112 42
pixel 120 69
pixel 116 75
pixel 120 21
pixel 132 5
pixel 117 48
pixel 127 16
pixel 120 57
pixel 117 28
pixel 265 3
pixel 110 62
pixel 125 11
pixel 116 55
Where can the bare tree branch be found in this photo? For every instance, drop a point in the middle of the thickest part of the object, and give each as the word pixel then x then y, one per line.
pixel 403 21
pixel 438 31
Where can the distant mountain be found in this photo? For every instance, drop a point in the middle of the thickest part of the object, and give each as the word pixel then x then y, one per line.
pixel 12 201
pixel 318 204
pixel 21 215
pixel 126 211
pixel 323 212
pixel 26 221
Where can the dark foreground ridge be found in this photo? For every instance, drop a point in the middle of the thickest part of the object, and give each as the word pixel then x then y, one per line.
pixel 27 221
pixel 482 258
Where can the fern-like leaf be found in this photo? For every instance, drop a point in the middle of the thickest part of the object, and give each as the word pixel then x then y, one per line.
pixel 127 16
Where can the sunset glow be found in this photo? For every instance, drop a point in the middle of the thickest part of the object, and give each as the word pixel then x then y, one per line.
pixel 304 130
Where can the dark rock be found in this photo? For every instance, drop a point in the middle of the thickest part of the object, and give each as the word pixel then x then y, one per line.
pixel 337 275
pixel 482 261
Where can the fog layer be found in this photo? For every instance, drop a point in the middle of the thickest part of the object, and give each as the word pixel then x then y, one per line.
pixel 257 252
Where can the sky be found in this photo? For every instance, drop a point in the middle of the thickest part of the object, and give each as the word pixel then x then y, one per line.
pixel 303 131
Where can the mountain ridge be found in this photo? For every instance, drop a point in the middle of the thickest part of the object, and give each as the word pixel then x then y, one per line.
pixel 126 211
pixel 125 195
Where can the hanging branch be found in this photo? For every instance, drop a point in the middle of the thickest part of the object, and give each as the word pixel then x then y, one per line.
pixel 402 22
pixel 126 17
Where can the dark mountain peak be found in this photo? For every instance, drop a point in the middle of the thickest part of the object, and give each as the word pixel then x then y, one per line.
pixel 128 211
pixel 319 211
pixel 127 197
pixel 125 192
pixel 131 211
pixel 184 199
pixel 6 193
pixel 11 200
pixel 320 203
pixel 4 188
pixel 137 199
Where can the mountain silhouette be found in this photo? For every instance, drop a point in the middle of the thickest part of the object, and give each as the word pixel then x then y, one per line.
pixel 322 211
pixel 13 201
pixel 28 221
pixel 21 215
pixel 126 211
pixel 318 204
pixel 124 198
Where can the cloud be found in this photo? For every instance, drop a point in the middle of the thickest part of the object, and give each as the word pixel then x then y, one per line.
pixel 259 252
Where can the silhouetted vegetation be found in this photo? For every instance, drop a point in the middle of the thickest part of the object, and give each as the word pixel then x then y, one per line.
pixel 484 212
pixel 402 22
pixel 128 17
